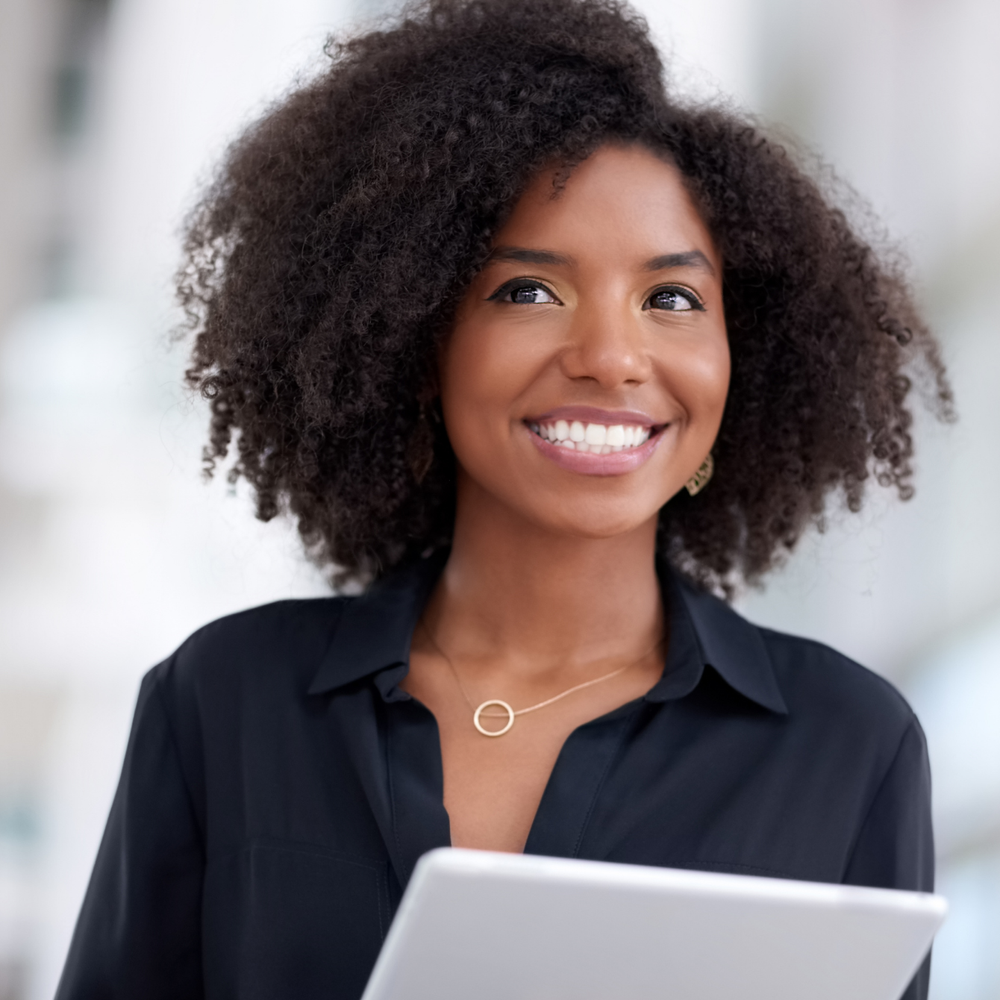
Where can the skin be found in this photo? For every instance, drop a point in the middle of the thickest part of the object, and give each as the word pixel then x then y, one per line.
pixel 551 580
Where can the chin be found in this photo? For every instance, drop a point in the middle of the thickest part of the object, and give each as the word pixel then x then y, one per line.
pixel 597 525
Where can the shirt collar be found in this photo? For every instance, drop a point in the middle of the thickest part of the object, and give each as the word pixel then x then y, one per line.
pixel 375 630
pixel 707 632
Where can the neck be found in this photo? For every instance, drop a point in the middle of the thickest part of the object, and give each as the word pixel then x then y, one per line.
pixel 512 590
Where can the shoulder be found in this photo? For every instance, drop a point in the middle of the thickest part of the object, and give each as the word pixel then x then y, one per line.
pixel 300 623
pixel 820 682
pixel 824 691
pixel 278 645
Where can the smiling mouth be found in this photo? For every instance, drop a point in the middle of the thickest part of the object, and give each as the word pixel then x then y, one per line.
pixel 595 438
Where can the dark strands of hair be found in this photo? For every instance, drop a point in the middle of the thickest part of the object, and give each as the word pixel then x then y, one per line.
pixel 325 263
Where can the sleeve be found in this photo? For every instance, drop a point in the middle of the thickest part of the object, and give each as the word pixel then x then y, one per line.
pixel 895 848
pixel 138 933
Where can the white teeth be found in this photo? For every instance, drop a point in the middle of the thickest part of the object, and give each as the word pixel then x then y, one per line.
pixel 597 439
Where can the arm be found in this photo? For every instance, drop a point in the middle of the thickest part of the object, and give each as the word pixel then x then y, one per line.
pixel 138 934
pixel 895 848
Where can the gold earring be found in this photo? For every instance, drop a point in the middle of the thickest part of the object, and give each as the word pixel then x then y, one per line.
pixel 700 479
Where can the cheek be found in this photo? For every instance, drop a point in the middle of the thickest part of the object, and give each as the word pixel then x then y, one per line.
pixel 470 369
pixel 472 381
pixel 714 376
pixel 698 377
pixel 485 368
pixel 469 380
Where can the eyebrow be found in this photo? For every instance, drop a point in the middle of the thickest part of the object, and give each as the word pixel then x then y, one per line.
pixel 691 258
pixel 525 256
pixel 665 262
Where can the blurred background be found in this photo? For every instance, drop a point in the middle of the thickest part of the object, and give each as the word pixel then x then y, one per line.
pixel 112 549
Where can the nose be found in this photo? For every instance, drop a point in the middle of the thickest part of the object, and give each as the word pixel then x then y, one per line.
pixel 606 345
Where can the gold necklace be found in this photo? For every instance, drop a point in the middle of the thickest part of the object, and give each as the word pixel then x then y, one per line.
pixel 480 712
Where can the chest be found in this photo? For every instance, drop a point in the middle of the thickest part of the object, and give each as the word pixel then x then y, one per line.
pixel 325 824
pixel 494 785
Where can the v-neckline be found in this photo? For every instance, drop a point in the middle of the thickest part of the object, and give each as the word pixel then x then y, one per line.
pixel 414 768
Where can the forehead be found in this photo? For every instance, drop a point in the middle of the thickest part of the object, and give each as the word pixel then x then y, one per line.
pixel 623 203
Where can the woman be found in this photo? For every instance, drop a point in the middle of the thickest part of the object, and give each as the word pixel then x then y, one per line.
pixel 538 357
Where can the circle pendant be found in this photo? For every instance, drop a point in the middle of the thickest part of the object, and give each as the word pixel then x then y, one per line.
pixel 496 732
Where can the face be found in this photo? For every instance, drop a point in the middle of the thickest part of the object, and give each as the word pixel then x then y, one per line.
pixel 585 377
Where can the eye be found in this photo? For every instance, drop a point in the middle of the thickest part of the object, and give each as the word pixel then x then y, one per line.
pixel 523 292
pixel 673 298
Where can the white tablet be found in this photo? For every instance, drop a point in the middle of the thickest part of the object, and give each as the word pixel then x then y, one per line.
pixel 474 924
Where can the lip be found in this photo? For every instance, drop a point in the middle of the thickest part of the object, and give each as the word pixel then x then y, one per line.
pixel 595 415
pixel 618 463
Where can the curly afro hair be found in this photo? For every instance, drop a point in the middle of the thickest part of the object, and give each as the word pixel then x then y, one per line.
pixel 326 260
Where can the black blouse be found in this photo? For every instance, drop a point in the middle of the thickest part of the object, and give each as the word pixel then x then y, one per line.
pixel 279 787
